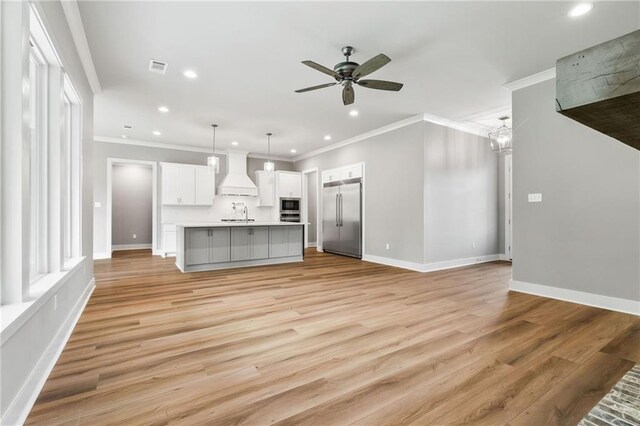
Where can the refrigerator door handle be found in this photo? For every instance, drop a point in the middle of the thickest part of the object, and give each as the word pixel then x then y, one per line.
pixel 337 209
pixel 341 210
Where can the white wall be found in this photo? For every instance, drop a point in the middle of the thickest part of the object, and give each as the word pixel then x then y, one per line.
pixel 30 345
pixel 583 239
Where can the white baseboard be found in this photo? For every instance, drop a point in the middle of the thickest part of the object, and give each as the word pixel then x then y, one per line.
pixel 312 244
pixel 429 267
pixel 504 257
pixel 17 412
pixel 590 299
pixel 130 247
pixel 98 256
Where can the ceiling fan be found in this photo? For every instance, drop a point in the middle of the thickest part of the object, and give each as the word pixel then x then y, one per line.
pixel 348 73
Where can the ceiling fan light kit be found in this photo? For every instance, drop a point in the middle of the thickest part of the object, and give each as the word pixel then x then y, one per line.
pixel 348 73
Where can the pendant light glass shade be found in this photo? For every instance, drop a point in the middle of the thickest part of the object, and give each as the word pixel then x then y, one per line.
pixel 501 138
pixel 269 167
pixel 213 162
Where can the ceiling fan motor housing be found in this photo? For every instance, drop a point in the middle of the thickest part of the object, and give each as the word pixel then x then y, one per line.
pixel 346 69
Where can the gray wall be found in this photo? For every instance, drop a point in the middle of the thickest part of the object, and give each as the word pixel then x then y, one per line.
pixel 430 192
pixel 132 196
pixel 254 164
pixel 312 206
pixel 585 235
pixel 394 189
pixel 460 195
pixel 501 206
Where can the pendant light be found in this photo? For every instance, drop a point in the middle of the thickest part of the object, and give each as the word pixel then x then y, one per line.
pixel 269 167
pixel 214 162
pixel 501 138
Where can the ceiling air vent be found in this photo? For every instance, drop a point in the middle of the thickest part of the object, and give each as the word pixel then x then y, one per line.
pixel 158 67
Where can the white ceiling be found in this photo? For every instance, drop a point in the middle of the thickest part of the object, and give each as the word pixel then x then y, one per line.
pixel 453 58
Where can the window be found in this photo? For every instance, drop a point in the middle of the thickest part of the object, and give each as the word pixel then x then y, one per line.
pixel 37 169
pixel 71 158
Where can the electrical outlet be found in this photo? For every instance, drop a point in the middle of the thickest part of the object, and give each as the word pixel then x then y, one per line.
pixel 387 246
pixel 135 236
pixel 55 302
pixel 535 198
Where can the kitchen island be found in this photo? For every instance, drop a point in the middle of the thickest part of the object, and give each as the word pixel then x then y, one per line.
pixel 222 245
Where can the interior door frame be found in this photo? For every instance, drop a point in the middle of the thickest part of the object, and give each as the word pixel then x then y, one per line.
pixel 154 203
pixel 305 205
pixel 508 206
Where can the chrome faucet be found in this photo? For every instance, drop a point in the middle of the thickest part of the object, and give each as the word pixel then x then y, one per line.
pixel 245 210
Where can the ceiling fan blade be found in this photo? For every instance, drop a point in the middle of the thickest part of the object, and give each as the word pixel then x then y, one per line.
pixel 371 65
pixel 348 96
pixel 321 86
pixel 380 85
pixel 322 69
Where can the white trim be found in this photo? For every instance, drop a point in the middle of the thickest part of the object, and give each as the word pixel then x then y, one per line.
pixel 531 80
pixel 178 147
pixel 430 267
pixel 590 299
pixel 312 244
pixel 504 257
pixel 100 256
pixel 379 131
pixel 474 129
pixel 72 13
pixel 154 203
pixel 20 407
pixel 508 206
pixel 305 203
pixel 117 247
pixel 453 124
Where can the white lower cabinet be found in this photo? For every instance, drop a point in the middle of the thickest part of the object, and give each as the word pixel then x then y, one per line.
pixel 285 241
pixel 207 245
pixel 249 243
pixel 168 238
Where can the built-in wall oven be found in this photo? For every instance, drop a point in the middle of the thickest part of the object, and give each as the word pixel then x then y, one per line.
pixel 289 209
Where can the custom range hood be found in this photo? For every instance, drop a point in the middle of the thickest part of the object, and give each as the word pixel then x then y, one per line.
pixel 236 182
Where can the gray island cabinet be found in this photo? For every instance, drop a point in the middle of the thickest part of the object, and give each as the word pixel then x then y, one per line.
pixel 219 245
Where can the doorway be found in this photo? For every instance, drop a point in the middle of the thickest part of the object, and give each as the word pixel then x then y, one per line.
pixel 310 206
pixel 508 207
pixel 131 205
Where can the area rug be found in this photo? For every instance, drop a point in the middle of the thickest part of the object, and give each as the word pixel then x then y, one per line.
pixel 621 406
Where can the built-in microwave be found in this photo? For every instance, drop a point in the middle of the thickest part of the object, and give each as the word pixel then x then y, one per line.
pixel 290 209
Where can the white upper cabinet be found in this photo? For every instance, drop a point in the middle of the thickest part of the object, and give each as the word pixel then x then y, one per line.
pixel 342 173
pixel 266 188
pixel 289 184
pixel 204 186
pixel 186 185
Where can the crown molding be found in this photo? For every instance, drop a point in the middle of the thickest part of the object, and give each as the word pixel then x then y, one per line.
pixel 379 131
pixel 176 147
pixel 72 13
pixel 458 125
pixel 531 80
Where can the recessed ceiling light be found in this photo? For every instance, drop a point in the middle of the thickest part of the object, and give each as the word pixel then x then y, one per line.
pixel 293 151
pixel 327 138
pixel 123 136
pixel 190 74
pixel 235 143
pixel 580 9
pixel 353 112
pixel 163 109
pixel 157 132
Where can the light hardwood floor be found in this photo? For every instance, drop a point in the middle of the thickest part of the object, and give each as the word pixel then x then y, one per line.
pixel 331 341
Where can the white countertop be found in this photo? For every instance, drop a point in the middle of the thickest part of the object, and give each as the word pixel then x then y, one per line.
pixel 231 224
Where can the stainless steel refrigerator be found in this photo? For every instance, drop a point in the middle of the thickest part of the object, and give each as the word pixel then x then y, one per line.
pixel 342 217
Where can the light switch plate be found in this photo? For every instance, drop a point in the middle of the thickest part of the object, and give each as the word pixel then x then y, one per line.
pixel 97 204
pixel 535 198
